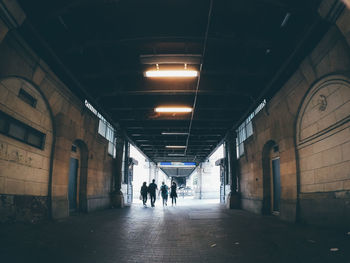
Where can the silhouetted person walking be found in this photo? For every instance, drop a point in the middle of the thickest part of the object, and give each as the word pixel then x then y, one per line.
pixel 164 192
pixel 143 192
pixel 152 188
pixel 173 193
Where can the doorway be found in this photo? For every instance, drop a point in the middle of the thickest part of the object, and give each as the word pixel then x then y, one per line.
pixel 271 179
pixel 72 184
pixel 77 178
pixel 276 182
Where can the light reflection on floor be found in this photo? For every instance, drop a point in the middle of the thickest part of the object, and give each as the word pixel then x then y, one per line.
pixel 181 202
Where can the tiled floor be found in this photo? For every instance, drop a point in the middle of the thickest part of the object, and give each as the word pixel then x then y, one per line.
pixel 191 232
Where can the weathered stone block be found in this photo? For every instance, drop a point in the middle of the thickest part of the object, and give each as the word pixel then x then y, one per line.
pixel 315 161
pixel 32 188
pixel 312 188
pixel 342 112
pixel 341 171
pixel 38 75
pixel 322 175
pixel 39 176
pixel 343 24
pixel 334 186
pixel 59 208
pixel 332 156
pixel 16 187
pixel 308 177
pixel 59 191
pixel 2 184
pixel 308 71
pixel 3 30
pixel 16 154
pixel 346 185
pixel 3 94
pixel 339 57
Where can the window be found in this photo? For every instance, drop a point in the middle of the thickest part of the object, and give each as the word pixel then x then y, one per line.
pixel 245 130
pixel 105 129
pixel 17 131
pixel 20 131
pixel 27 98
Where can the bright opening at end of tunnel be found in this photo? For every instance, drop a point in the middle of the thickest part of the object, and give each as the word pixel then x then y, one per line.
pixel 201 186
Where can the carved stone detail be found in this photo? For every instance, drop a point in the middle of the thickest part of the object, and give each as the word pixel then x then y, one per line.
pixel 322 101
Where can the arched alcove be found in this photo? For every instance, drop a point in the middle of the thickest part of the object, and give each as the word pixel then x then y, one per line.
pixel 26 146
pixel 323 147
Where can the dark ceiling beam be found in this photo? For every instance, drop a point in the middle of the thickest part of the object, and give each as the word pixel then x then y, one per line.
pixel 152 92
pixel 279 3
pixel 171 59
pixel 229 110
pixel 195 119
pixel 249 41
pixel 173 137
pixel 179 123
pixel 113 74
pixel 192 140
pixel 78 4
pixel 172 127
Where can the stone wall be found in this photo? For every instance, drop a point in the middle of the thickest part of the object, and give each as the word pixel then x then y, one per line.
pixel 309 122
pixel 40 176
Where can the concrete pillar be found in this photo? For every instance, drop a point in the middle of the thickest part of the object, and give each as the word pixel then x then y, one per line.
pixel 117 198
pixel 233 198
pixel 198 190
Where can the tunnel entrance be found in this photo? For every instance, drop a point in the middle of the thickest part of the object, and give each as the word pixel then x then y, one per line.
pixel 206 181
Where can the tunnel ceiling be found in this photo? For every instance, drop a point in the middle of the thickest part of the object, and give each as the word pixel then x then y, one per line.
pixel 101 48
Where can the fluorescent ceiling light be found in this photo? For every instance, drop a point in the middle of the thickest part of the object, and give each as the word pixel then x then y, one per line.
pixel 174 133
pixel 173 109
pixel 171 73
pixel 175 146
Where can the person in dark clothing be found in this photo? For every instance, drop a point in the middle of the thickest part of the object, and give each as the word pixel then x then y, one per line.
pixel 152 189
pixel 173 193
pixel 143 192
pixel 164 191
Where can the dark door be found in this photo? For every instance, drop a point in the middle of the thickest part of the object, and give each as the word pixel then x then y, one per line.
pixel 72 184
pixel 276 184
pixel 222 184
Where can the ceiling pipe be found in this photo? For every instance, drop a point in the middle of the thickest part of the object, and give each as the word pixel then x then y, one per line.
pixel 199 73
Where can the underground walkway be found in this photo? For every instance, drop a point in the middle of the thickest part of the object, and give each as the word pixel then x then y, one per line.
pixel 191 232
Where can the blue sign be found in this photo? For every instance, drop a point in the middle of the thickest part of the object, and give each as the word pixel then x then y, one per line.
pixel 177 164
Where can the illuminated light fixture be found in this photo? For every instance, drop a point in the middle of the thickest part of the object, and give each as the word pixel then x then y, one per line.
pixel 173 109
pixel 174 133
pixel 175 146
pixel 171 73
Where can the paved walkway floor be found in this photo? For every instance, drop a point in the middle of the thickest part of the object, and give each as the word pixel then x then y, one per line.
pixel 191 232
